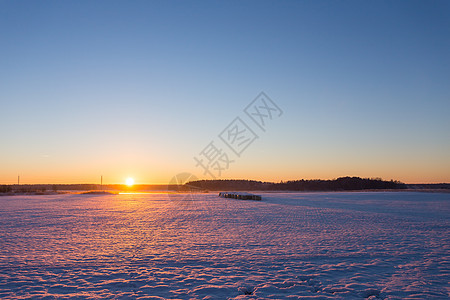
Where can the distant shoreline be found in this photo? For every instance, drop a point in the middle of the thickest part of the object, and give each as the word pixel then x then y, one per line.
pixel 342 184
pixel 214 192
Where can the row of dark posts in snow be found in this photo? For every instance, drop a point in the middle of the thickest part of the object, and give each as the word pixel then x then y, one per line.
pixel 240 196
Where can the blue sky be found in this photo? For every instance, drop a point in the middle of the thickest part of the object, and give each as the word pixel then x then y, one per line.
pixel 138 88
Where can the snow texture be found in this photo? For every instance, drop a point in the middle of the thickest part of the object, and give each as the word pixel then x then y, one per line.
pixel 367 245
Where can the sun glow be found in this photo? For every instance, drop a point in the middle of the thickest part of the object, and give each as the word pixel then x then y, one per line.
pixel 129 181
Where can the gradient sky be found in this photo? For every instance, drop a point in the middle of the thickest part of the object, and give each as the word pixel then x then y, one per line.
pixel 138 88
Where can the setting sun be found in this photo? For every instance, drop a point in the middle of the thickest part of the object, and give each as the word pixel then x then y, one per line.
pixel 129 181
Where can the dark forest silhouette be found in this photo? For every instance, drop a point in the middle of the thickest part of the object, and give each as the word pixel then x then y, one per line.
pixel 339 184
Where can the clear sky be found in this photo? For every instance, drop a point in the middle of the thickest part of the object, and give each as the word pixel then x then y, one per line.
pixel 139 88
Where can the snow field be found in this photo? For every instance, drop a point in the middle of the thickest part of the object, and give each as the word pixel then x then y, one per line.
pixel 387 245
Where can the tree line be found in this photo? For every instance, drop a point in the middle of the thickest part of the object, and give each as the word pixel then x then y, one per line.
pixel 339 184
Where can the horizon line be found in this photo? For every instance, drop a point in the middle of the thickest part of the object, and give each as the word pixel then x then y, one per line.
pixel 166 184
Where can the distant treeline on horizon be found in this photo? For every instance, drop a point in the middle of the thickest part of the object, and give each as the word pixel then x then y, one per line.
pixel 339 184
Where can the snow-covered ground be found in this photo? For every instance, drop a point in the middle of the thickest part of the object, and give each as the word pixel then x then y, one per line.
pixel 387 245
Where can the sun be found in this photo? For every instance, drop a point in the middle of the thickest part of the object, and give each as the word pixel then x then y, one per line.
pixel 129 181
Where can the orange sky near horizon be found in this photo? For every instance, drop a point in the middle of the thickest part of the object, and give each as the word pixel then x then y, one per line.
pixel 408 174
